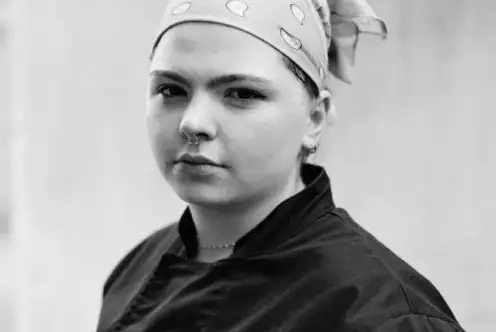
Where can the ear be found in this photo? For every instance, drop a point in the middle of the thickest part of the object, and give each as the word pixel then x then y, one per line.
pixel 318 119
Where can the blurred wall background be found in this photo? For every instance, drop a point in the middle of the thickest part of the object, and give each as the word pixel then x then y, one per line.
pixel 413 156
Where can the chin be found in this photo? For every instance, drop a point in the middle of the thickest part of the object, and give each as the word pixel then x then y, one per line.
pixel 203 195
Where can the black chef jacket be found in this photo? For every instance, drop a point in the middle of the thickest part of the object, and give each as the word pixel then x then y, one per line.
pixel 307 267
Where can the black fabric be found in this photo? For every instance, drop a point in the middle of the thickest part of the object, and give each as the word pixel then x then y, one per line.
pixel 307 267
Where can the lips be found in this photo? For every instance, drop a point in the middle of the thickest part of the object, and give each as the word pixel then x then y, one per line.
pixel 197 160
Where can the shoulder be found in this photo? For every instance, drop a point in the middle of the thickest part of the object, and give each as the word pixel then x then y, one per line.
pixel 388 292
pixel 152 244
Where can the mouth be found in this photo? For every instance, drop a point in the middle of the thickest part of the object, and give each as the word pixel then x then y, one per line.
pixel 196 163
pixel 197 160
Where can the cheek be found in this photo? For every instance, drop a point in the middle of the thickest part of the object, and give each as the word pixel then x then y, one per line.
pixel 268 135
pixel 161 132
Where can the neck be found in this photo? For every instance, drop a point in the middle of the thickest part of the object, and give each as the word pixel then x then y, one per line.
pixel 218 225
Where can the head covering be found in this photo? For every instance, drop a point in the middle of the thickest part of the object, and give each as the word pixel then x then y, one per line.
pixel 320 36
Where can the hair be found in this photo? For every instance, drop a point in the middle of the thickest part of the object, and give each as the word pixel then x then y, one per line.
pixel 313 92
pixel 309 85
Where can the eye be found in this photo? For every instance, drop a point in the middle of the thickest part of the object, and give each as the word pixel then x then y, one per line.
pixel 171 91
pixel 244 95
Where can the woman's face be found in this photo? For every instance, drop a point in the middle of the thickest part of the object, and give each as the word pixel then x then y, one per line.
pixel 234 92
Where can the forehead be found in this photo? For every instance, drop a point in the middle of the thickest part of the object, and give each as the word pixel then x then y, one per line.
pixel 201 46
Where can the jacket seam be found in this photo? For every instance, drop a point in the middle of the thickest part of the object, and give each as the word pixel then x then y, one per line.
pixel 125 263
pixel 412 313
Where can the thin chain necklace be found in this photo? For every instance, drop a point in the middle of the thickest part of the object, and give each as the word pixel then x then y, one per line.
pixel 218 246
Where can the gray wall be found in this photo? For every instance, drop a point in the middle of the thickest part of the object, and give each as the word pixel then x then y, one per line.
pixel 410 157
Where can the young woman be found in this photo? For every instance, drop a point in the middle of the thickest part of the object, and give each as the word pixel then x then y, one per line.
pixel 238 99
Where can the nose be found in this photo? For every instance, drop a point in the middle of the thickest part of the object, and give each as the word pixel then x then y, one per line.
pixel 198 119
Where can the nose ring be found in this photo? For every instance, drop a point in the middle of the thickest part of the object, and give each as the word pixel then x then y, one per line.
pixel 191 140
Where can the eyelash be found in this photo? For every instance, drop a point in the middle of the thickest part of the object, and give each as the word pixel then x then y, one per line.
pixel 162 88
pixel 249 94
pixel 253 95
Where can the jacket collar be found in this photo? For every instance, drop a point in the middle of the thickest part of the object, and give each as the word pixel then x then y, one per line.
pixel 281 224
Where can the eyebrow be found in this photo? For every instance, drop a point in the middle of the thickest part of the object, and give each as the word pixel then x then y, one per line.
pixel 216 81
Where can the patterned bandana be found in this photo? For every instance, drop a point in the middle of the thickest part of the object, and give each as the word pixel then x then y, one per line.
pixel 320 36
